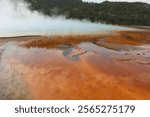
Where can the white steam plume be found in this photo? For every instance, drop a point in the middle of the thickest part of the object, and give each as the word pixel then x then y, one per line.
pixel 16 19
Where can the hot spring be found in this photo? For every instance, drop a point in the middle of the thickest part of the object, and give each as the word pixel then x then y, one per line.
pixel 16 19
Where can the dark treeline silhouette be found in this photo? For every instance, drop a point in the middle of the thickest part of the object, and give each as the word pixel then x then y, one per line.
pixel 122 13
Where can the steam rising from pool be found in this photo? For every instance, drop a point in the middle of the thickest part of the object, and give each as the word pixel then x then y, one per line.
pixel 17 19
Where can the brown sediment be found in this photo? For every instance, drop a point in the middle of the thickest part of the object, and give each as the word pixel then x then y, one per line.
pixel 114 66
pixel 58 78
pixel 130 38
pixel 118 41
pixel 54 41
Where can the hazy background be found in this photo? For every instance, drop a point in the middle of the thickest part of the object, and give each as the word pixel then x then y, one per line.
pixel 16 19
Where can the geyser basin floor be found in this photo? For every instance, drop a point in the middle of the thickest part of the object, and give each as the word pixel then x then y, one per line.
pixel 112 66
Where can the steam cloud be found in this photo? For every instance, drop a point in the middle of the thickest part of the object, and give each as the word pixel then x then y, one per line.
pixel 17 19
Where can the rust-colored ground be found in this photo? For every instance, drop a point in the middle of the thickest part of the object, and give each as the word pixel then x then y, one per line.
pixel 108 66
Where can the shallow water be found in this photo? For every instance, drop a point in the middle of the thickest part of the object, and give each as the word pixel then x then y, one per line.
pixel 58 26
pixel 17 19
pixel 77 67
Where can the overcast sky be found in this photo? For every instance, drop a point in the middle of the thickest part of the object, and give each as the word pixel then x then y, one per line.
pixel 147 1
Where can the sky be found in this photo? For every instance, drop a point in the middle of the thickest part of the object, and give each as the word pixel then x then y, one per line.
pixel 99 1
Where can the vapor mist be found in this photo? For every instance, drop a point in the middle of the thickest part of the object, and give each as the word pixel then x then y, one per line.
pixel 17 19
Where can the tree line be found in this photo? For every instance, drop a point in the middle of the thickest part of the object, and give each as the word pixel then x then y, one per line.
pixel 122 13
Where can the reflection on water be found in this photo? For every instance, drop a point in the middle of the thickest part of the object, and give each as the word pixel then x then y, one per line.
pixel 76 67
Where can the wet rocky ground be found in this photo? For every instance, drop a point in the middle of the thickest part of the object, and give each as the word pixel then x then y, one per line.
pixel 104 66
